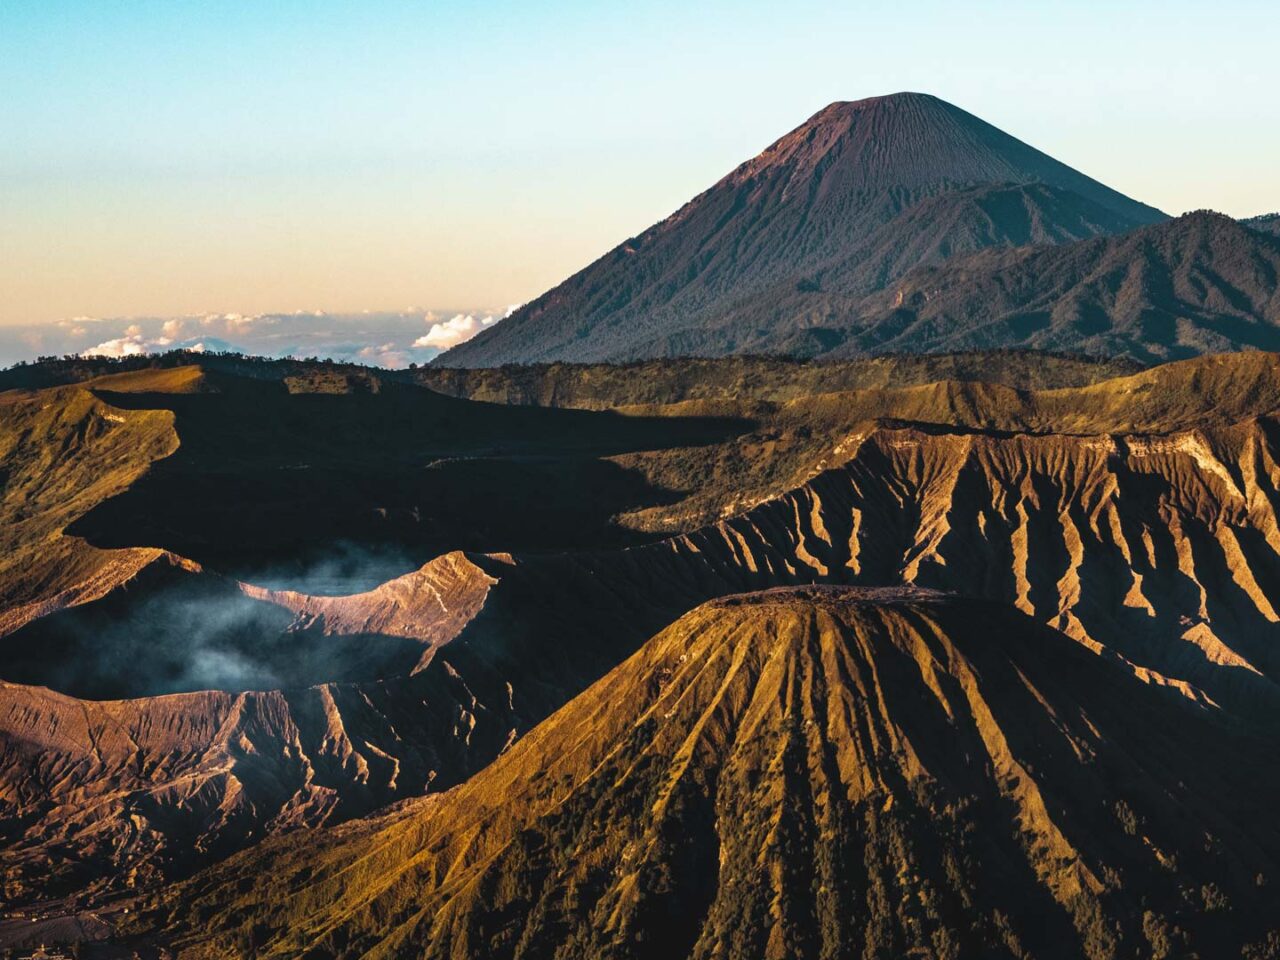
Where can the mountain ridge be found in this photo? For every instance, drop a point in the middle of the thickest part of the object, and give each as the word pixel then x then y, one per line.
pixel 819 192
pixel 1136 515
pixel 793 773
pixel 1200 284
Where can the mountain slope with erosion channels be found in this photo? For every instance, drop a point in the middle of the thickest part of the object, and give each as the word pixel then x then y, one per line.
pixel 853 199
pixel 969 668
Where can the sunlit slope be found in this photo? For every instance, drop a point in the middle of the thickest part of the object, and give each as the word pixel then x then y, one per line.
pixel 804 773
pixel 795 440
pixel 62 452
pixel 602 386
pixel 1138 515
pixel 1162 549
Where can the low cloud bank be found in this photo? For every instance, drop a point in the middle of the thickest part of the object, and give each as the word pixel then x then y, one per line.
pixel 458 329
pixel 135 345
pixel 453 331
pixel 389 340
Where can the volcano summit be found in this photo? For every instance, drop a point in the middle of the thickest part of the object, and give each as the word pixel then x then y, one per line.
pixel 957 655
pixel 857 196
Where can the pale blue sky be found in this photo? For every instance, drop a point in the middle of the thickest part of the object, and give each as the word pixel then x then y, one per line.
pixel 176 158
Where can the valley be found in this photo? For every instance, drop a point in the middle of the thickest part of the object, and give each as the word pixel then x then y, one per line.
pixel 168 715
pixel 879 556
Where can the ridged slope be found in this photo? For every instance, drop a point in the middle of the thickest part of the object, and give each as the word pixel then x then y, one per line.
pixel 804 773
pixel 104 797
pixel 839 188
pixel 1163 551
pixel 1200 284
pixel 911 140
pixel 1138 515
pixel 100 796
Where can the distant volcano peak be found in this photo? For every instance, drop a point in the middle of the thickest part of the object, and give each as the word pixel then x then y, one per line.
pixel 840 194
pixel 913 141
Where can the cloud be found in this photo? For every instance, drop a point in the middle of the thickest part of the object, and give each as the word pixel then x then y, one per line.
pixel 135 345
pixel 231 323
pixel 458 329
pixel 383 338
pixel 386 355
pixel 130 346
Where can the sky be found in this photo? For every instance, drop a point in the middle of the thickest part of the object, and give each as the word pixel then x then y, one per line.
pixel 446 160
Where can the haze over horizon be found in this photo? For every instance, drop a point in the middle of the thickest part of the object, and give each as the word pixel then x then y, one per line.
pixel 228 159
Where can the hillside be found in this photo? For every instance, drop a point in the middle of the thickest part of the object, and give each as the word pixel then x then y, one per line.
pixel 795 774
pixel 1266 223
pixel 63 452
pixel 603 386
pixel 1199 284
pixel 1137 515
pixel 868 190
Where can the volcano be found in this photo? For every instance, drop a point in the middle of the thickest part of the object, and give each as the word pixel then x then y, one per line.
pixel 803 772
pixel 868 190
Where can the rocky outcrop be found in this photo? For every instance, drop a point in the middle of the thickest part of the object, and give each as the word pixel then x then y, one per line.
pixel 120 794
pixel 430 605
pixel 1160 550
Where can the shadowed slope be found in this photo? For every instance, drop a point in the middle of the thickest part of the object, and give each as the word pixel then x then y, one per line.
pixel 1157 547
pixel 838 189
pixel 1200 284
pixel 1267 223
pixel 803 773
pixel 270 473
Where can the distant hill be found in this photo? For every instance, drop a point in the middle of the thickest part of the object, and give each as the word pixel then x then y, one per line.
pixel 1267 223
pixel 600 386
pixel 1200 284
pixel 856 197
